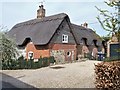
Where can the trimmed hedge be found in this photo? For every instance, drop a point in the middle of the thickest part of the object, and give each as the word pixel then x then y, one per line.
pixel 109 59
pixel 22 63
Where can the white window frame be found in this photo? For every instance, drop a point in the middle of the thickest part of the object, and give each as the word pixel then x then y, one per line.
pixel 30 52
pixel 64 38
pixel 69 53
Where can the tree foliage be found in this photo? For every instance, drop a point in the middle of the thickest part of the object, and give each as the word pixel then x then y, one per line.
pixel 105 38
pixel 8 50
pixel 109 20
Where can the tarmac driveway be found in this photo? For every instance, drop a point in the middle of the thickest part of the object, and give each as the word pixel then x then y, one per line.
pixel 72 75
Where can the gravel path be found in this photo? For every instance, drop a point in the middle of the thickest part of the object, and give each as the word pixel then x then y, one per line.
pixel 72 75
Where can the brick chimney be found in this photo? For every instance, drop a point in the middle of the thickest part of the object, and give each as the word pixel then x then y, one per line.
pixel 41 12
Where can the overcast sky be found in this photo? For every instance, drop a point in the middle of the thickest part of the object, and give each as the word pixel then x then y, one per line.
pixel 79 11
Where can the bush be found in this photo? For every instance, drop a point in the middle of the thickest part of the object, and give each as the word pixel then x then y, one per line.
pixel 109 59
pixel 40 63
pixel 88 55
pixel 29 64
pixel 51 59
pixel 10 64
pixel 22 63
pixel 13 64
pixel 4 65
pixel 36 65
pixel 45 61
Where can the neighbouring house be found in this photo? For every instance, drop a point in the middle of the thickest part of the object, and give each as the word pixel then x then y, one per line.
pixel 87 41
pixel 55 36
pixel 113 45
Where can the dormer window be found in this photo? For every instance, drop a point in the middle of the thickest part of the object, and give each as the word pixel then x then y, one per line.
pixel 64 38
pixel 94 42
pixel 83 41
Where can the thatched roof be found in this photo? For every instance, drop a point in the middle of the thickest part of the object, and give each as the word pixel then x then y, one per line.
pixel 40 31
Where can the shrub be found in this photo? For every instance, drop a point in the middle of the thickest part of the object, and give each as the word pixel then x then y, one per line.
pixel 51 59
pixel 88 55
pixel 22 63
pixel 109 59
pixel 40 63
pixel 30 63
pixel 10 64
pixel 4 65
pixel 35 65
pixel 13 64
pixel 45 61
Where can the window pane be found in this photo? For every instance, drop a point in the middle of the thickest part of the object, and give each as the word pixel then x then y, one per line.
pixel 65 38
pixel 30 55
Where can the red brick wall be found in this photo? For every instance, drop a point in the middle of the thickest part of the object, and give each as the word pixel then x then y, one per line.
pixel 62 46
pixel 66 48
pixel 45 52
pixel 37 52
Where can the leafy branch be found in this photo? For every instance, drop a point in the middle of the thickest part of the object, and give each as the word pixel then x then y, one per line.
pixel 109 21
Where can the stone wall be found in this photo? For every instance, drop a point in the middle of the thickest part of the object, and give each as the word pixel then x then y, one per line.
pixel 59 55
pixel 63 52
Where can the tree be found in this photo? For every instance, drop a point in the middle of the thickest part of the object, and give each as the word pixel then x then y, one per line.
pixel 8 50
pixel 110 21
pixel 105 38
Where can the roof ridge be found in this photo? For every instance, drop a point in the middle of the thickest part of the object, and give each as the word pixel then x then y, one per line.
pixel 81 27
pixel 45 19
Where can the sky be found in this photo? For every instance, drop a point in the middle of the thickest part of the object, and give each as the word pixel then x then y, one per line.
pixel 79 11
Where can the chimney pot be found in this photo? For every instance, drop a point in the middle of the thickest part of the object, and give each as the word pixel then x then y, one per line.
pixel 85 25
pixel 41 12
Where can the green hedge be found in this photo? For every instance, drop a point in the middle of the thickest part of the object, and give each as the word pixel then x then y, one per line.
pixel 22 63
pixel 109 59
pixel 88 55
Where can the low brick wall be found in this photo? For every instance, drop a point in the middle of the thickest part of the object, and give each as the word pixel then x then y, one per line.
pixel 108 75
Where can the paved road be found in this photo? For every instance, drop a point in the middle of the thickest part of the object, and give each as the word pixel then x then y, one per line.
pixel 10 83
pixel 7 85
pixel 72 75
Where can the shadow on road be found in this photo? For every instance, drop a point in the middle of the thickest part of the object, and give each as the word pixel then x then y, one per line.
pixel 57 67
pixel 11 83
